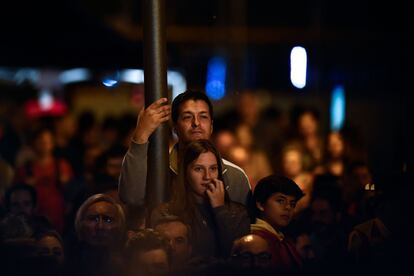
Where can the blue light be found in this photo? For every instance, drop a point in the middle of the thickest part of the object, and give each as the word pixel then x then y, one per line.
pixel 337 108
pixel 111 80
pixel 216 78
pixel 298 64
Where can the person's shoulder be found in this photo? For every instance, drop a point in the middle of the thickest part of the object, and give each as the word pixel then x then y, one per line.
pixel 237 207
pixel 233 169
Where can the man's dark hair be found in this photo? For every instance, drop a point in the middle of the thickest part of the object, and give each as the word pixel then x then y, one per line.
pixel 146 240
pixel 20 187
pixel 274 183
pixel 186 96
pixel 172 218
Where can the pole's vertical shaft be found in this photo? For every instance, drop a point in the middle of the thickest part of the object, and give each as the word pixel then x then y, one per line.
pixel 155 76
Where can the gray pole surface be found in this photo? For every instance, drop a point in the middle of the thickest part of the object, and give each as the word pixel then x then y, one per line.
pixel 155 76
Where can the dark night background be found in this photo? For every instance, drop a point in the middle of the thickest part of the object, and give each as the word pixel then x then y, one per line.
pixel 365 45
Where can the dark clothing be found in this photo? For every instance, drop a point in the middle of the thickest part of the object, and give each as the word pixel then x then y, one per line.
pixel 214 229
pixel 88 260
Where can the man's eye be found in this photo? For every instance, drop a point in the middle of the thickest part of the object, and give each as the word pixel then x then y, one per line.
pixel 108 219
pixel 179 240
pixel 197 169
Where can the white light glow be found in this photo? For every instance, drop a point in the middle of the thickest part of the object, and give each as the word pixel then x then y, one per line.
pixel 177 82
pixel 298 64
pixel 133 75
pixel 45 100
pixel 174 79
pixel 74 75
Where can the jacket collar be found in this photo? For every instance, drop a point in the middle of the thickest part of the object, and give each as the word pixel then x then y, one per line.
pixel 262 225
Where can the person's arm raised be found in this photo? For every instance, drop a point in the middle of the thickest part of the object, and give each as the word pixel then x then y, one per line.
pixel 133 177
pixel 150 119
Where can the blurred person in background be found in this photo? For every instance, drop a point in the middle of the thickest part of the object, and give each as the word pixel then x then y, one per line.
pixel 6 179
pixel 22 199
pixel 334 160
pixel 49 175
pixel 292 167
pixel 251 159
pixel 306 131
pixel 328 229
pixel 224 140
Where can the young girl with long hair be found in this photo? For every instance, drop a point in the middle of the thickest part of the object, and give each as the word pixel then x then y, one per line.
pixel 200 199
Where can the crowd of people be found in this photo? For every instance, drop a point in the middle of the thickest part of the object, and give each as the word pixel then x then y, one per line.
pixel 255 195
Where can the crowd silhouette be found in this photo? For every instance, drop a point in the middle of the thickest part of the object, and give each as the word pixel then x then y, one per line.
pixel 261 193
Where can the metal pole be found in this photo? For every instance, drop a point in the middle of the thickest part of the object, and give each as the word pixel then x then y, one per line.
pixel 155 83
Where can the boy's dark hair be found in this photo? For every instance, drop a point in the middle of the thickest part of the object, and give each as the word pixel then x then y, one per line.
pixel 274 183
pixel 20 187
pixel 186 96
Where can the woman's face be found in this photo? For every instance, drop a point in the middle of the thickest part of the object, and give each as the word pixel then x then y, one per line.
pixel 335 144
pixel 292 163
pixel 201 171
pixel 101 224
pixel 308 124
pixel 45 143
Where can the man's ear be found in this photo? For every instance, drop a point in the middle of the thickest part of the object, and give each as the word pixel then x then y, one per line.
pixel 259 206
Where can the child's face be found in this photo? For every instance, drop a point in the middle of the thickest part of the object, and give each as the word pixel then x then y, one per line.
pixel 201 172
pixel 278 209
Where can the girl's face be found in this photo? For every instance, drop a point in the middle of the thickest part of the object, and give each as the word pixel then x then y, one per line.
pixel 278 210
pixel 201 171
